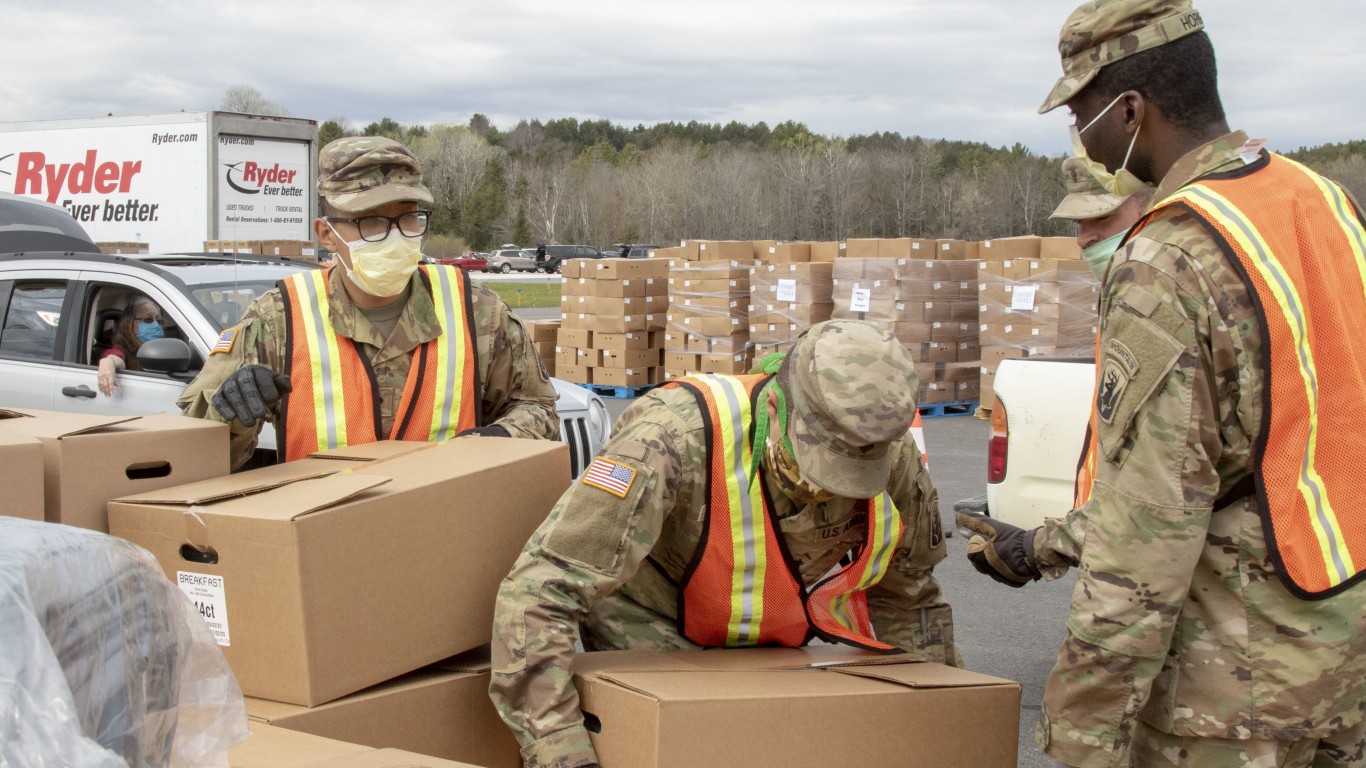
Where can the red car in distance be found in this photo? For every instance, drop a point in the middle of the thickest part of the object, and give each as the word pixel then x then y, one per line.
pixel 470 261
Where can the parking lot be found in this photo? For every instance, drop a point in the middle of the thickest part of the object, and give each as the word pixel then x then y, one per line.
pixel 1010 633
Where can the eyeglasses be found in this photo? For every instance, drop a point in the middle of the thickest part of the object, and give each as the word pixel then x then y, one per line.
pixel 149 319
pixel 375 228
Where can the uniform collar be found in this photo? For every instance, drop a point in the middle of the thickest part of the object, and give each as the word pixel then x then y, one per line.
pixel 1220 154
pixel 419 316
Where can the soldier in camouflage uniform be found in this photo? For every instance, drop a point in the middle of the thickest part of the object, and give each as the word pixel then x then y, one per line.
pixel 1102 217
pixel 1184 646
pixel 605 567
pixel 371 176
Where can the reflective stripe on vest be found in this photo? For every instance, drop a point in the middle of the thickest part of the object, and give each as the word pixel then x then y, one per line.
pixel 742 587
pixel 1300 248
pixel 334 401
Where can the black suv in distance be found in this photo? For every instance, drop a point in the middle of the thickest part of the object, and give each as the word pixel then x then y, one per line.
pixel 549 257
pixel 634 250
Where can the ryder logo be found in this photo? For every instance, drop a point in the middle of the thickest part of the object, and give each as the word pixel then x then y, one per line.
pixel 252 178
pixel 34 175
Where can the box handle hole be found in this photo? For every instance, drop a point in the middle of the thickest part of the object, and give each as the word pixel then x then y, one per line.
pixel 191 553
pixel 148 470
pixel 592 722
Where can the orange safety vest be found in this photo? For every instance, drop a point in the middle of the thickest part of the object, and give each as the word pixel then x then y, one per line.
pixel 1298 243
pixel 742 587
pixel 335 399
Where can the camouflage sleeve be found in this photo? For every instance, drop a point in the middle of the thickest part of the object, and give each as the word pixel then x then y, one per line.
pixel 1058 542
pixel 259 341
pixel 592 542
pixel 518 395
pixel 1146 524
pixel 907 607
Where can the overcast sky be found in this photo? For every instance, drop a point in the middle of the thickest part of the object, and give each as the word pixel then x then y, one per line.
pixel 958 69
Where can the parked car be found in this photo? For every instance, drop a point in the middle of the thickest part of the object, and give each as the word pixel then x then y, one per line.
pixel 54 367
pixel 549 257
pixel 471 261
pixel 634 250
pixel 1038 426
pixel 509 259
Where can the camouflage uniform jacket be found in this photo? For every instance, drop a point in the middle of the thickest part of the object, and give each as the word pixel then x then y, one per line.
pixel 609 566
pixel 1178 618
pixel 517 394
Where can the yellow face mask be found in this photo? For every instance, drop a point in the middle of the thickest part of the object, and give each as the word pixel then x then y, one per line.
pixel 784 467
pixel 1123 182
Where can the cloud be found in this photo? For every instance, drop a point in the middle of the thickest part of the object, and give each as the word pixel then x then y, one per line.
pixel 972 70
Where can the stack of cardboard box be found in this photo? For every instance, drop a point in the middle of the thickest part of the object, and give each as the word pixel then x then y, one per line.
pixel 708 318
pixel 791 288
pixel 937 322
pixel 544 334
pixel 1036 296
pixel 337 584
pixel 611 321
pixel 295 249
pixel 121 247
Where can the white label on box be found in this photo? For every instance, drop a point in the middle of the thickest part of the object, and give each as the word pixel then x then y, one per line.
pixel 209 598
pixel 915 246
pixel 861 301
pixel 308 251
pixel 1022 298
pixel 787 290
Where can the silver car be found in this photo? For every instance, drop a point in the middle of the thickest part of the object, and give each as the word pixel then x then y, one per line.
pixel 60 308
pixel 509 259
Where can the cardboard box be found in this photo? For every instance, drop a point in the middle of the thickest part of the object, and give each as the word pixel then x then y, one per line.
pixel 725 250
pixel 827 251
pixel 389 758
pixel 442 710
pixel 22 458
pixel 324 584
pixel 628 358
pixel 575 337
pixel 542 330
pixel 620 323
pixel 622 377
pixel 861 248
pixel 577 374
pixel 954 250
pixel 90 459
pixel 906 248
pixel 788 253
pixel 615 289
pixel 1059 248
pixel 1009 248
pixel 566 356
pixel 272 747
pixel 629 340
pixel 667 710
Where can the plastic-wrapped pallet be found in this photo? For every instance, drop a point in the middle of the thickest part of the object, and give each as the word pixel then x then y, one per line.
pixel 785 300
pixel 1041 301
pixel 105 662
pixel 708 318
pixel 937 323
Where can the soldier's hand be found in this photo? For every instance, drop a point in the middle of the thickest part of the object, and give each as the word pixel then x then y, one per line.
pixel 1000 550
pixel 248 394
pixel 492 430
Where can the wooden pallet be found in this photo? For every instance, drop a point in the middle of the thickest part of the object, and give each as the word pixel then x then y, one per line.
pixel 960 408
pixel 604 390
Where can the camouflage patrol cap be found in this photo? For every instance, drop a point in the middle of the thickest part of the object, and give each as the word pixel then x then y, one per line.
pixel 1104 31
pixel 1086 197
pixel 360 173
pixel 852 391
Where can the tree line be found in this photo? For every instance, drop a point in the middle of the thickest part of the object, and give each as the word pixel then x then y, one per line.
pixel 598 183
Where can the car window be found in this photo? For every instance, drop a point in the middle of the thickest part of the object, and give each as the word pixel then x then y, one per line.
pixel 103 309
pixel 31 319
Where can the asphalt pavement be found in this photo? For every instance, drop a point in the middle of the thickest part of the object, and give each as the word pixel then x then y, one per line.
pixel 1000 631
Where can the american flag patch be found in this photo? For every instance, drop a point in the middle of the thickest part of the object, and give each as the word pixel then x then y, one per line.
pixel 610 476
pixel 224 343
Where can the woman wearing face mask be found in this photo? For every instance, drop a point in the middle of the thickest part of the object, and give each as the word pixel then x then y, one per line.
pixel 139 323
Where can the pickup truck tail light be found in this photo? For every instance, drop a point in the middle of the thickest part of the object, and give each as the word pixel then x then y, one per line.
pixel 996 449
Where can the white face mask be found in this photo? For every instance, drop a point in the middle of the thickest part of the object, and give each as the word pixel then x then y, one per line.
pixel 1123 182
pixel 382 268
pixel 1098 255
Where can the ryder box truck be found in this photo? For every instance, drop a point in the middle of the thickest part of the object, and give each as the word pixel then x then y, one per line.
pixel 170 181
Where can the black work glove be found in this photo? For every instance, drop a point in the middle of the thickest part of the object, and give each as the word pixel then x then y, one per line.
pixel 1000 550
pixel 249 392
pixel 492 430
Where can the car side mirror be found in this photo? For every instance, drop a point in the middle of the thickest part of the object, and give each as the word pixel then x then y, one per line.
pixel 168 356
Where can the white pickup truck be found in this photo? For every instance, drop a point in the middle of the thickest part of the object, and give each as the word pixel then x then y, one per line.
pixel 1038 426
